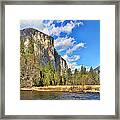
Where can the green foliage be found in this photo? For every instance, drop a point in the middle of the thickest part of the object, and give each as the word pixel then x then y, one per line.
pixel 69 72
pixel 46 81
pixel 83 77
pixel 76 76
pixel 65 78
pixel 22 46
pixel 48 74
pixel 56 77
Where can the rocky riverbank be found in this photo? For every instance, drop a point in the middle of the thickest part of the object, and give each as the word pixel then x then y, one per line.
pixel 77 88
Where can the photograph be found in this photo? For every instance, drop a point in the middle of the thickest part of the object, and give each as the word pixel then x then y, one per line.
pixel 59 59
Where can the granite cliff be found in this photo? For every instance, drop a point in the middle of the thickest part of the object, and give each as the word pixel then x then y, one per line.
pixel 38 49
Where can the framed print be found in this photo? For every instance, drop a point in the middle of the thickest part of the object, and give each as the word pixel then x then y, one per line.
pixel 60 60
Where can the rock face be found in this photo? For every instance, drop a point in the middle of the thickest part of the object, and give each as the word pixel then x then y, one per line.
pixel 57 60
pixel 43 45
pixel 63 66
pixel 60 63
pixel 41 48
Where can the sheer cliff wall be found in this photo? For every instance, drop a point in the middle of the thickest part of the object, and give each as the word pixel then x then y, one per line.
pixel 40 49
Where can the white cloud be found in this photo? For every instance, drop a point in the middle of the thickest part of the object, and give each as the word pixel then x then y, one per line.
pixel 76 47
pixel 67 28
pixel 50 28
pixel 71 59
pixel 74 58
pixel 64 42
pixel 49 23
pixel 61 49
pixel 55 30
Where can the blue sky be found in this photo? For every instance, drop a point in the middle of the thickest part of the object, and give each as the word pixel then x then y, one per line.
pixel 77 41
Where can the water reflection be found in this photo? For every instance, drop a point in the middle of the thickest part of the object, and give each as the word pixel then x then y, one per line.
pixel 35 95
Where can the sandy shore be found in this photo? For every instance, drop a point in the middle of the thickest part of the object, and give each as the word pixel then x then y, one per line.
pixel 77 88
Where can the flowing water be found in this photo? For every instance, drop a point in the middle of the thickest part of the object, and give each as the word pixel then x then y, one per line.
pixel 35 95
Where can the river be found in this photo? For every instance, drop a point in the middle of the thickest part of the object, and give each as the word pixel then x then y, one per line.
pixel 36 95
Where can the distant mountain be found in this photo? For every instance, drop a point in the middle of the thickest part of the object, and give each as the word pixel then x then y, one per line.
pixel 97 69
